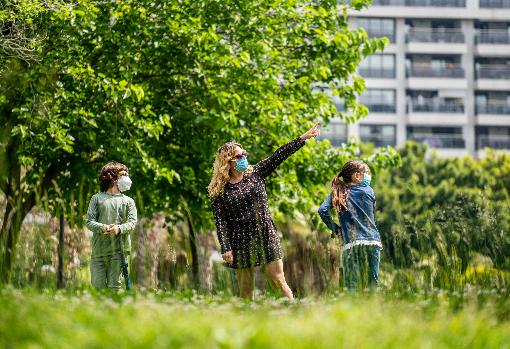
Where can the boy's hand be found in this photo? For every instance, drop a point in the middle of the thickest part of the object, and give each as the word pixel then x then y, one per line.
pixel 111 229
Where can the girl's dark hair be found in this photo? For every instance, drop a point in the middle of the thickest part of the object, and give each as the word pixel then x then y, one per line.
pixel 340 184
pixel 110 173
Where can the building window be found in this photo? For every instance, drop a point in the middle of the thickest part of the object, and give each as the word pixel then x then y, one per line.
pixel 492 137
pixel 378 66
pixel 378 101
pixel 335 132
pixel 379 135
pixel 378 27
pixel 437 137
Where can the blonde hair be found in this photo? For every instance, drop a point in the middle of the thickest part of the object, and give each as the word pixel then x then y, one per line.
pixel 221 169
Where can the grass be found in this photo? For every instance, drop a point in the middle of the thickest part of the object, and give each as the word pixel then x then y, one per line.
pixel 87 319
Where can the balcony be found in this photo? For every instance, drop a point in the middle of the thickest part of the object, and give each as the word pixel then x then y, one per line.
pixel 494 4
pixel 379 108
pixel 495 142
pixel 426 71
pixel 493 72
pixel 378 73
pixel 496 108
pixel 439 140
pixel 493 37
pixel 435 35
pixel 379 140
pixel 380 34
pixel 424 3
pixel 429 106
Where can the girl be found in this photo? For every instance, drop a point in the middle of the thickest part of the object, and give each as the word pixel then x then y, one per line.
pixel 111 216
pixel 246 232
pixel 354 200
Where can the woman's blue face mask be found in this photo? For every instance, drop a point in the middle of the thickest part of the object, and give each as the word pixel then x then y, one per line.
pixel 242 164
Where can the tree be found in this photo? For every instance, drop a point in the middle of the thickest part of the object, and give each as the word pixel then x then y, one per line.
pixel 159 85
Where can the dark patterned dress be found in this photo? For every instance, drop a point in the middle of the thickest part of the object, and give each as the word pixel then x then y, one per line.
pixel 243 221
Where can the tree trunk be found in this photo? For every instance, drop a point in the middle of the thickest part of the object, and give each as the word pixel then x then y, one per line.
pixel 194 253
pixel 60 271
pixel 18 205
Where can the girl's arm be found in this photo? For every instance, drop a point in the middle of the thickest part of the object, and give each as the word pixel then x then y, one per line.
pixel 326 216
pixel 267 166
pixel 221 225
pixel 130 224
pixel 92 215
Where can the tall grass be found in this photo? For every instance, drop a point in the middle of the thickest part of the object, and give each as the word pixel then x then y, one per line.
pixel 87 319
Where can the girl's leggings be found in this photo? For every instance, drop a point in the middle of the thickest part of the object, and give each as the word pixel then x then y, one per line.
pixel 361 267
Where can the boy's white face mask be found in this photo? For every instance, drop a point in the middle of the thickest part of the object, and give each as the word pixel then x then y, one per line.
pixel 124 183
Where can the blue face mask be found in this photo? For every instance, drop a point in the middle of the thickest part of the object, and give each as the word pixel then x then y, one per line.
pixel 366 180
pixel 242 164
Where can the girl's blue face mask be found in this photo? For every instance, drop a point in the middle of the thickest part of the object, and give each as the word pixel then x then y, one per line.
pixel 242 164
pixel 366 180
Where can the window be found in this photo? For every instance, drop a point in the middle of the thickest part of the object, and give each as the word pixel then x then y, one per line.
pixel 378 101
pixel 437 137
pixel 379 135
pixel 378 66
pixel 336 132
pixel 378 27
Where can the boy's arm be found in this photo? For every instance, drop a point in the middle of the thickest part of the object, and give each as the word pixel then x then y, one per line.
pixel 92 215
pixel 326 216
pixel 129 226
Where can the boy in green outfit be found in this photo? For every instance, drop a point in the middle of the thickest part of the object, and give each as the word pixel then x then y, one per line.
pixel 111 216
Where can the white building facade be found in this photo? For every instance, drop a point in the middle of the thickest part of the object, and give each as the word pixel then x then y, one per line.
pixel 444 80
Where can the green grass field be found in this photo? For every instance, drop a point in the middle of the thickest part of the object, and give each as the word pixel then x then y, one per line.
pixel 84 319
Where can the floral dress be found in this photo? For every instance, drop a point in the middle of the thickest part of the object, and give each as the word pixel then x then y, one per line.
pixel 243 221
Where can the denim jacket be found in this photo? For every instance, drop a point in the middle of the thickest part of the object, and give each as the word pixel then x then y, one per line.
pixel 358 222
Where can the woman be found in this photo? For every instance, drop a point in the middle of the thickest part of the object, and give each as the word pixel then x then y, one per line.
pixel 246 231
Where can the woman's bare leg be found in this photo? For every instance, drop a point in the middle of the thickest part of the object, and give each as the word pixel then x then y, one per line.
pixel 246 282
pixel 274 271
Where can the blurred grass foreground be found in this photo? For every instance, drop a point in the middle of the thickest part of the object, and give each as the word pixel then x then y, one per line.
pixel 85 319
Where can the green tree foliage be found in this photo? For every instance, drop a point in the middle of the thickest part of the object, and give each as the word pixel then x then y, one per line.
pixel 160 85
pixel 445 211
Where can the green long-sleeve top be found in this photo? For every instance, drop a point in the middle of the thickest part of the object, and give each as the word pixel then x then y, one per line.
pixel 105 208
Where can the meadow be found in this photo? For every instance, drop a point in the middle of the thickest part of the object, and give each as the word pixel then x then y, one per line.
pixel 157 319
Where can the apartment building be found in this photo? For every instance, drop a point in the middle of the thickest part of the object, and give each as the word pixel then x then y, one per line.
pixel 444 80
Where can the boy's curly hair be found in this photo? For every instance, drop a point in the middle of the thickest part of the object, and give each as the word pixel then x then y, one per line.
pixel 110 173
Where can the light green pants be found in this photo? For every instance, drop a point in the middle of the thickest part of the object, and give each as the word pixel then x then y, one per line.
pixel 106 272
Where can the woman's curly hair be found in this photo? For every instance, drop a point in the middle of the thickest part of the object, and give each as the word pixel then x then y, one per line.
pixel 221 169
pixel 110 173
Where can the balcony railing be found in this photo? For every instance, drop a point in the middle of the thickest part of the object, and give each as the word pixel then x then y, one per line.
pixel 495 3
pixel 439 140
pixel 335 141
pixel 379 108
pixel 493 72
pixel 435 35
pixel 496 142
pixel 384 73
pixel 435 72
pixel 379 140
pixel 501 108
pixel 498 37
pixel 425 3
pixel 378 34
pixel 436 107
